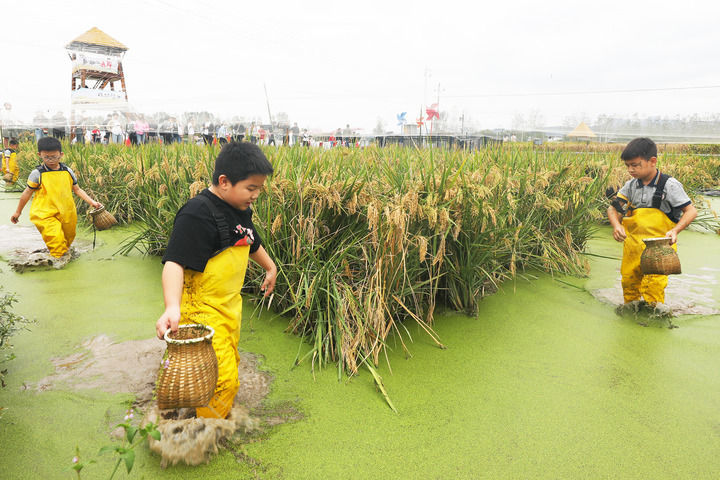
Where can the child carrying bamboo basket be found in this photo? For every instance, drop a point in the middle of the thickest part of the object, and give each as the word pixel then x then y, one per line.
pixel 650 205
pixel 53 209
pixel 207 255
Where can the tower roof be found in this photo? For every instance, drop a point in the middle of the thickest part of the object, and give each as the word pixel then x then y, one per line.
pixel 95 36
pixel 582 130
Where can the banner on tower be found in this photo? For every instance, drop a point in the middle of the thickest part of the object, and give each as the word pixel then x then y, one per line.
pixel 94 61
pixel 96 96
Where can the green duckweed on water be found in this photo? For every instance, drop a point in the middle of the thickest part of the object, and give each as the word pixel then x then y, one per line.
pixel 546 382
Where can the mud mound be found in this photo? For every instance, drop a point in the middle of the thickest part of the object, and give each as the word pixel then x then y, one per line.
pixel 254 383
pixel 21 260
pixel 132 367
pixel 112 367
pixel 24 249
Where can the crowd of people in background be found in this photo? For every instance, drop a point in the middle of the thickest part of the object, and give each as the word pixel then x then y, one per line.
pixel 136 129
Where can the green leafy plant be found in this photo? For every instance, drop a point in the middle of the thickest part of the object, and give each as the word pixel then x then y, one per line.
pixel 77 465
pixel 10 324
pixel 134 436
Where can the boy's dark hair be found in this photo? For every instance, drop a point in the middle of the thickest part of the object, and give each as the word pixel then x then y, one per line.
pixel 49 144
pixel 238 160
pixel 639 147
pixel 13 141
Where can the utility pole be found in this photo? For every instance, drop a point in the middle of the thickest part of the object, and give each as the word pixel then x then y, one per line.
pixel 427 74
pixel 267 101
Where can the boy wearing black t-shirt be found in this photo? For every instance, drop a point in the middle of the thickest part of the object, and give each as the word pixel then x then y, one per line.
pixel 213 236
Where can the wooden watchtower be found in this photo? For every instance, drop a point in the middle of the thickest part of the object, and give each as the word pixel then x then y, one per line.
pixel 97 65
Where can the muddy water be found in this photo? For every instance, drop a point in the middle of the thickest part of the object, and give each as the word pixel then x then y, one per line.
pixel 546 382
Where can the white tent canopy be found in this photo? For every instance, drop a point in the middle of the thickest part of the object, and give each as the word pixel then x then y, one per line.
pixel 582 131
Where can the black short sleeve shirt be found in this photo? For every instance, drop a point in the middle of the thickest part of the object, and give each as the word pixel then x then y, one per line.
pixel 195 237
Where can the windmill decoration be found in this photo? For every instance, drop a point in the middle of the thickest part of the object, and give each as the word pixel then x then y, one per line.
pixel 401 120
pixel 420 122
pixel 432 112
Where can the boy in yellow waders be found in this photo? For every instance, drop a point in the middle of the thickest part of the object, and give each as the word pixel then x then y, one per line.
pixel 653 204
pixel 53 207
pixel 10 169
pixel 213 236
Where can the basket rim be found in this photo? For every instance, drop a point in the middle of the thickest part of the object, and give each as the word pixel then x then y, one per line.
pixel 208 336
pixel 655 239
pixel 95 211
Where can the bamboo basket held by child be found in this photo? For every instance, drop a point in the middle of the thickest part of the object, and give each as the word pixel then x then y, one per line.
pixel 659 258
pixel 189 370
pixel 102 219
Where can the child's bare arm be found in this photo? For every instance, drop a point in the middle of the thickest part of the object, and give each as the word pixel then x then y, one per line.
pixel 615 220
pixel 24 198
pixel 689 214
pixel 261 257
pixel 172 283
pixel 82 194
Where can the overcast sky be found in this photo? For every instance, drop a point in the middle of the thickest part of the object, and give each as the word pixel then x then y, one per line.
pixel 331 63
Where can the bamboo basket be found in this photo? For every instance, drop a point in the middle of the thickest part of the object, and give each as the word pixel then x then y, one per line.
pixel 189 371
pixel 659 258
pixel 102 219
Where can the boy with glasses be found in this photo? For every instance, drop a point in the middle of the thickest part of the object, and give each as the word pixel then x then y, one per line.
pixel 53 207
pixel 10 168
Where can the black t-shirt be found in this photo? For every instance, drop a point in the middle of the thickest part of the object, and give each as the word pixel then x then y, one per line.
pixel 195 237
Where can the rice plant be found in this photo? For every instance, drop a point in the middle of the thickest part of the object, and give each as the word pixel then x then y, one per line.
pixel 369 242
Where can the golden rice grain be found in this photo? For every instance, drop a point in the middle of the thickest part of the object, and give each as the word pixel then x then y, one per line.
pixel 422 247
pixel 277 223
